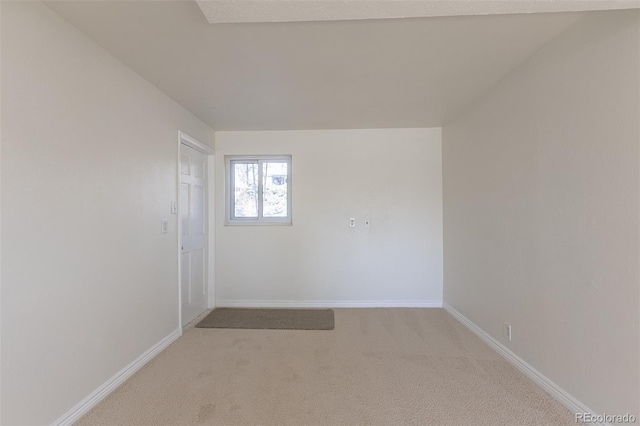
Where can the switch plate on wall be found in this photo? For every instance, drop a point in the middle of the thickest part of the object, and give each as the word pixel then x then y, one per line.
pixel 506 330
pixel 367 224
pixel 164 226
pixel 174 207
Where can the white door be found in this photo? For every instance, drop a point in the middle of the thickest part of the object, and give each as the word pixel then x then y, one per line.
pixel 193 219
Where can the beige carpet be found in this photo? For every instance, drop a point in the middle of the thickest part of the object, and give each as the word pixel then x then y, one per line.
pixel 379 366
pixel 276 319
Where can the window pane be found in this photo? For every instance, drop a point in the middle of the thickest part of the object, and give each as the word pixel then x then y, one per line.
pixel 246 189
pixel 274 189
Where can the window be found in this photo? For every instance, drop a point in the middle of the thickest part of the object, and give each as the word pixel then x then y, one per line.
pixel 259 190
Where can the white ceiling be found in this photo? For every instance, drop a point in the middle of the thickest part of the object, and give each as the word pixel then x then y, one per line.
pixel 226 11
pixel 313 75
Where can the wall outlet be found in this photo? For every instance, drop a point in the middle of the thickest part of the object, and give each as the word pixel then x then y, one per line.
pixel 164 226
pixel 506 330
pixel 352 222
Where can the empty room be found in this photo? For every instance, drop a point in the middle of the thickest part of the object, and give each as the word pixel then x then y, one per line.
pixel 319 212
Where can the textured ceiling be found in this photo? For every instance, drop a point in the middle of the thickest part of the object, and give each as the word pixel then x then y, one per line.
pixel 313 75
pixel 227 11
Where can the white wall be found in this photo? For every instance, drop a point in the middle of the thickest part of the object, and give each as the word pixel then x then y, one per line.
pixel 89 154
pixel 541 207
pixel 391 176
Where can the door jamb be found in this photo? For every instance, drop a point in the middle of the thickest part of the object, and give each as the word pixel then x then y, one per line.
pixel 185 139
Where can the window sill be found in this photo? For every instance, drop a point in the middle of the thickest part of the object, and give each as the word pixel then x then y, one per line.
pixel 256 223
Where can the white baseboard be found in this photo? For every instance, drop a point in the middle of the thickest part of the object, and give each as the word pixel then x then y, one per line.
pixel 564 397
pixel 230 303
pixel 110 385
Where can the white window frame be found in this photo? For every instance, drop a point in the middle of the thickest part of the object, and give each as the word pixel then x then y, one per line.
pixel 230 189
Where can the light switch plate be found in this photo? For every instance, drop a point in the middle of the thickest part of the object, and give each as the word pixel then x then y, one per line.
pixel 164 226
pixel 174 207
pixel 506 330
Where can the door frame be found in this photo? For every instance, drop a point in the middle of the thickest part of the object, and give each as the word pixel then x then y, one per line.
pixel 185 139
